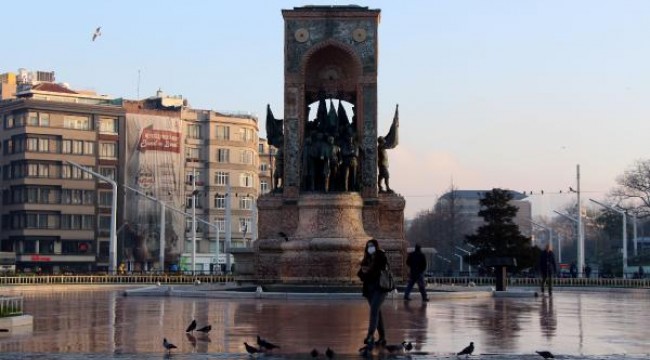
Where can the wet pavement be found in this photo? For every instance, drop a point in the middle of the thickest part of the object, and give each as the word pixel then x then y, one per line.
pixel 100 323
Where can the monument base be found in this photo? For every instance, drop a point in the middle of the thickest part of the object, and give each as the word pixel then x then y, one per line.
pixel 320 238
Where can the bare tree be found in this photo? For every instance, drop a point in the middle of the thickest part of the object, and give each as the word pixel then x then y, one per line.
pixel 633 190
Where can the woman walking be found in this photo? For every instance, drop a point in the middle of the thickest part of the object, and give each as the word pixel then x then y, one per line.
pixel 374 261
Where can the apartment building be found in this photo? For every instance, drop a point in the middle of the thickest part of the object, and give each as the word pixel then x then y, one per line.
pixel 219 180
pixel 56 217
pixel 267 165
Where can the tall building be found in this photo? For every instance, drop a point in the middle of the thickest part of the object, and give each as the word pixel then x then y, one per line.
pixel 55 216
pixel 217 153
pixel 267 166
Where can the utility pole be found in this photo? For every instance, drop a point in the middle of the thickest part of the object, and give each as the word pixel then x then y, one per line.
pixel 228 228
pixel 193 221
pixel 581 231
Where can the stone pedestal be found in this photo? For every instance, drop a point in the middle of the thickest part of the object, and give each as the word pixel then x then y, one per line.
pixel 324 242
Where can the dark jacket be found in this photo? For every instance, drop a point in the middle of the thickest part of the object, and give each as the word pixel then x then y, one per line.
pixel 370 279
pixel 547 264
pixel 417 263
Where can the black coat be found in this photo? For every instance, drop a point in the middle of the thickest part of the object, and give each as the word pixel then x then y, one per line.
pixel 376 263
pixel 547 265
pixel 417 263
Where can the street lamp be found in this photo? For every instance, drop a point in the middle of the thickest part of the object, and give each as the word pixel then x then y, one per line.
pixel 112 252
pixel 469 267
pixel 460 264
pixel 624 214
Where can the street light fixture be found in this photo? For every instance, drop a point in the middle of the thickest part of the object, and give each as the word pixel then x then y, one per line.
pixel 624 214
pixel 112 252
pixel 550 239
pixel 469 267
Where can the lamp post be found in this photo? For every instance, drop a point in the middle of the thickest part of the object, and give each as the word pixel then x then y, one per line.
pixel 550 233
pixel 624 214
pixel 112 252
pixel 460 264
pixel 193 221
pixel 469 267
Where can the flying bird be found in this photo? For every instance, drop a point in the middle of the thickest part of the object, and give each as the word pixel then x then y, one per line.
pixel 168 346
pixel 314 353
pixel 251 349
pixel 191 339
pixel 206 329
pixel 263 344
pixel 329 353
pixel 97 33
pixel 191 327
pixel 468 350
pixel 545 354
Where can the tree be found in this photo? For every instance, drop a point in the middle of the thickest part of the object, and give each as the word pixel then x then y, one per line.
pixel 633 191
pixel 500 236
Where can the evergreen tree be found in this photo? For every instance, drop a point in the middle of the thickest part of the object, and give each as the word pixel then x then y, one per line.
pixel 500 236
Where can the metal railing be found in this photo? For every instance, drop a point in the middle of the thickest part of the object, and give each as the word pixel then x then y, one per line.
pixel 568 282
pixel 113 279
pixel 11 306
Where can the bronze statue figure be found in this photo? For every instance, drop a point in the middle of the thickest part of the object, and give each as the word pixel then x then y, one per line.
pixel 332 162
pixel 350 154
pixel 275 135
pixel 384 143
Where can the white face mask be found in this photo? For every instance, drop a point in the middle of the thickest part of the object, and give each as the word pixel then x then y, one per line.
pixel 371 250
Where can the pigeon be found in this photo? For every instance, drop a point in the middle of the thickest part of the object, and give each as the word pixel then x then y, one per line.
pixel 263 344
pixel 407 345
pixel 191 339
pixel 168 346
pixel 251 349
pixel 468 350
pixel 191 327
pixel 545 354
pixel 97 33
pixel 329 353
pixel 314 353
pixel 206 329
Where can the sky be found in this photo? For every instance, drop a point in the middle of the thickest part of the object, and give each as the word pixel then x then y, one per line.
pixel 507 94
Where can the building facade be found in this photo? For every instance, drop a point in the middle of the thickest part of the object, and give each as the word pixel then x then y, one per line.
pixel 56 217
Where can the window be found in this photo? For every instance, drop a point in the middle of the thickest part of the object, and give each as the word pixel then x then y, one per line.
pixel 220 201
pixel 223 132
pixel 246 180
pixel 192 153
pixel 246 157
pixel 222 178
pixel 77 147
pixel 245 202
pixel 223 155
pixel 32 119
pixel 9 121
pixel 264 167
pixel 76 122
pixel 44 119
pixel 104 223
pixel 108 172
pixel 108 150
pixel 108 125
pixel 189 177
pixel 89 148
pixel 194 131
pixel 43 145
pixel 221 224
pixel 246 135
pixel 105 198
pixel 264 186
pixel 31 144
pixel 245 224
pixel 66 146
pixel 260 148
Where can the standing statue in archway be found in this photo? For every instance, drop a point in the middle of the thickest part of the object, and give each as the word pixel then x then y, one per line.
pixel 275 134
pixel 384 143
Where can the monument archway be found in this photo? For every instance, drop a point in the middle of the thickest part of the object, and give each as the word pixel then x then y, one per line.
pixel 316 232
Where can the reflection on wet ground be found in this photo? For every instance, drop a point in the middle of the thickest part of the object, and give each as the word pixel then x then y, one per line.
pixel 74 323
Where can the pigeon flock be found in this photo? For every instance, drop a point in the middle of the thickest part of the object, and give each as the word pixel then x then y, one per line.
pixel 264 346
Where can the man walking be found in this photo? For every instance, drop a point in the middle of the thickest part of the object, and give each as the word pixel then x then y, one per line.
pixel 548 267
pixel 417 263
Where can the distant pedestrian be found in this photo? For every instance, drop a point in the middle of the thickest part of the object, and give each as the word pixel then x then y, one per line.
pixel 548 268
pixel 573 270
pixel 587 271
pixel 374 261
pixel 417 263
pixel 641 272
